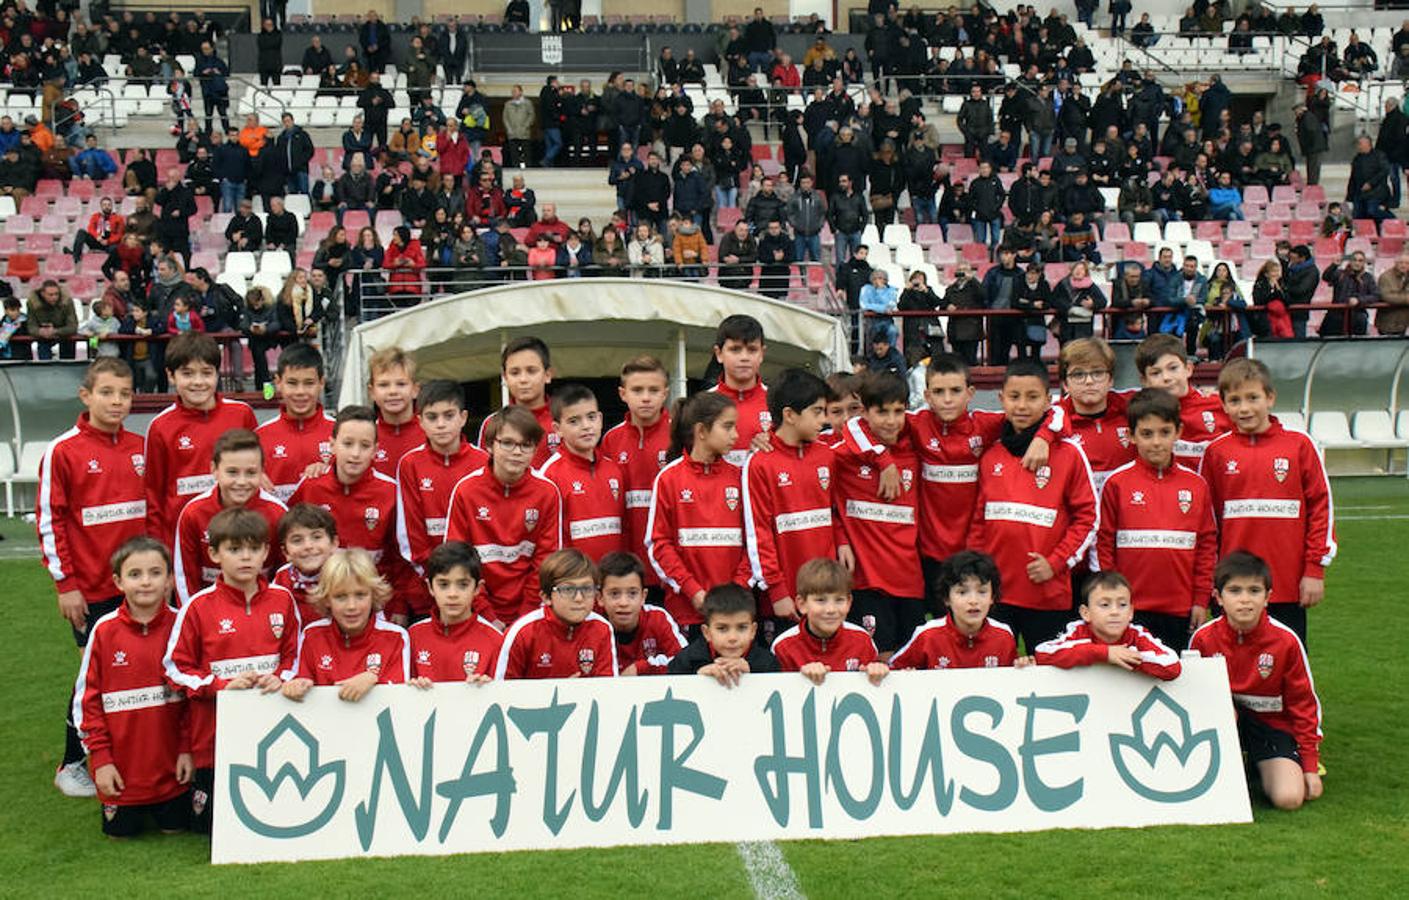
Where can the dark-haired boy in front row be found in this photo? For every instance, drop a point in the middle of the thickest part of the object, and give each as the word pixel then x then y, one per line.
pixel 1279 715
pixel 1157 526
pixel 1036 525
pixel 1270 493
pixel 1106 634
pixel 824 641
pixel 454 644
pixel 647 638
pixel 139 749
pixel 725 649
pixel 965 637
pixel 91 499
pixel 239 633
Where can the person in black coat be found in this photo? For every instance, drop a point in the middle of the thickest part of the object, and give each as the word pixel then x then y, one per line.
pixel 177 209
pixel 1393 142
pixel 650 197
pixel 269 45
pixel 775 253
pixel 1368 186
pixel 316 58
pixel 375 39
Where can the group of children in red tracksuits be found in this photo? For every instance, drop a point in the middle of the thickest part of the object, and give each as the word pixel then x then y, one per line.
pixel 814 527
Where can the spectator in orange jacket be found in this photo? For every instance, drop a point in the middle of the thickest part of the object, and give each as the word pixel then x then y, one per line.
pixel 253 135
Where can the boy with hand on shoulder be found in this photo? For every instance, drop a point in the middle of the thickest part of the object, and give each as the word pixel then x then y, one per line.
pixel 877 531
pixel 361 499
pixel 589 482
pixel 393 389
pixel 563 638
pixel 843 403
pixel 824 641
pixel 527 370
pixel 240 633
pixel 1279 715
pixel 964 638
pixel 647 638
pixel 140 750
pixel 509 514
pixel 1163 363
pixel 425 477
pixel 1270 493
pixel 1106 634
pixel 351 647
pixel 787 493
pixel 1157 526
pixel 454 644
pixel 725 649
pixel 738 349
pixel 640 445
pixel 307 535
pixel 1036 525
pixel 180 438
pixel 91 500
pixel 302 434
pixel 238 464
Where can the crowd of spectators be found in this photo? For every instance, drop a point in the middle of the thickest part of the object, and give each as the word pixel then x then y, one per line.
pixel 1044 172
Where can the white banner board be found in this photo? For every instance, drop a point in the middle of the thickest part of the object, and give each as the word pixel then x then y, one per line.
pixel 534 765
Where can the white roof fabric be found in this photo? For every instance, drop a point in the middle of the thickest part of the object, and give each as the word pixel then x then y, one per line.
pixel 592 326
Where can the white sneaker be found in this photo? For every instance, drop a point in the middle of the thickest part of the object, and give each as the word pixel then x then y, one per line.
pixel 73 780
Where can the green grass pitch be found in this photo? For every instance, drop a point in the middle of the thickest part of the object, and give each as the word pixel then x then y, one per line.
pixel 1353 842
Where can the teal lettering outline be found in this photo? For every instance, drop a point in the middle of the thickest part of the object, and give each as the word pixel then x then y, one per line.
pixel 984 749
pixel 416 812
pixel 498 782
pixel 665 714
pixel 548 720
pixel 780 766
pixel 854 704
pixel 931 757
pixel 627 766
pixel 1044 796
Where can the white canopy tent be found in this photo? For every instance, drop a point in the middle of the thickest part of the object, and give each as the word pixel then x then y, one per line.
pixel 592 326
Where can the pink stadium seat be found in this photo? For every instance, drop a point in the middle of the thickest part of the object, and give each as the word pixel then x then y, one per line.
pixel 1118 232
pixel 1209 231
pixel 19 224
pixel 354 220
pixel 960 234
pixel 1314 193
pixel 205 207
pixel 1280 211
pixel 1273 229
pixel 975 253
pixel 58 265
pixel 1393 228
pixel 926 235
pixel 1283 193
pixel 9 243
pixel 1232 251
pixel 1255 194
pixel 35 207
pixel 1055 272
pixel 761 151
pixel 1389 247
pixel 1262 248
pixel 82 188
pixel 1311 212
pixel 1360 245
pixel 1249 269
pixel 1366 226
pixel 943 254
pixel 53 225
pixel 1300 231
pixel 1327 248
pixel 1240 231
pixel 322 222
pixel 84 287
pixel 49 188
pixel 41 244
pixel 69 207
pixel 92 263
pixel 1133 252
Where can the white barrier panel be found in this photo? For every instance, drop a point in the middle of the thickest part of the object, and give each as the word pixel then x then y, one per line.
pixel 534 765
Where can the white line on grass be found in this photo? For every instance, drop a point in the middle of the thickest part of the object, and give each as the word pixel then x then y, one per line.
pixel 769 873
pixel 1369 518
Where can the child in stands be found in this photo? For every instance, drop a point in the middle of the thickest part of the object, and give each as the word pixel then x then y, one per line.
pixel 351 647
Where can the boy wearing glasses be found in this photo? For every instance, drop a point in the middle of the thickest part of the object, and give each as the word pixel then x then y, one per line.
pixel 563 638
pixel 1095 413
pixel 509 514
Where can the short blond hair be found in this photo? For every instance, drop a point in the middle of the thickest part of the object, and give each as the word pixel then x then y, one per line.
pixel 1091 352
pixel 390 358
pixel 1237 372
pixel 352 565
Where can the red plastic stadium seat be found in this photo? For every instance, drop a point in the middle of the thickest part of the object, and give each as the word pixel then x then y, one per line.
pixel 82 188
pixel 49 188
pixel 59 265
pixel 728 215
pixel 1389 248
pixel 1232 251
pixel 1118 232
pixel 1366 227
pixel 1327 248
pixel 1302 231
pixel 1240 231
pixel 1254 194
pixel 1393 228
pixel 1314 193
pixel 961 234
pixel 23 266
pixel 354 220
pixel 1262 248
pixel 322 221
pixel 1272 229
pixel 1209 231
pixel 975 253
pixel 1284 193
pixel 761 151
pixel 1133 252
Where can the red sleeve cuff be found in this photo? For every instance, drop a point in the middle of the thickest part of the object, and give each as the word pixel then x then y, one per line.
pixel 1314 570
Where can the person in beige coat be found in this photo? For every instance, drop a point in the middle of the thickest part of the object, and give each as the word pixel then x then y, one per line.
pixel 1394 290
pixel 518 128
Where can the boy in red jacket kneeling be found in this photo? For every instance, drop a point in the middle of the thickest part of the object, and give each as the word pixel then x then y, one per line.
pixel 1106 634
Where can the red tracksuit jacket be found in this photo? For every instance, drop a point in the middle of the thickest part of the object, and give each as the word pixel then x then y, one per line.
pixel 1105 439
pixel 514 528
pixel 547 446
pixel 91 500
pixel 594 502
pixel 540 645
pixel 300 586
pixel 443 652
pixel 849 650
pixel 1271 497
pixel 1077 646
pixel 753 416
pixel 641 453
pixel 652 645
pixel 394 442
pixel 1204 419
pixel 788 518
pixel 1270 677
pixel 948 455
pixel 219 635
pixel 328 656
pixel 292 445
pixel 882 534
pixel 126 712
pixel 365 512
pixel 192 566
pixel 1051 511
pixel 178 451
pixel 1157 530
pixel 937 644
pixel 425 479
pixel 696 532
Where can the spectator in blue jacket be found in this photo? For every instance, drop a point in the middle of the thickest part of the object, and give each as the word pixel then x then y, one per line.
pixel 624 168
pixel 879 296
pixel 1162 284
pixel 691 193
pixel 1225 201
pixel 230 163
pixel 215 89
pixel 92 162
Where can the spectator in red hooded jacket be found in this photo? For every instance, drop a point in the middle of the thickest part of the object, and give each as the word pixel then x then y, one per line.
pixel 406 261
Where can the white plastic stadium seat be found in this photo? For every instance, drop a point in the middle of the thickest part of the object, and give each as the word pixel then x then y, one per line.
pixel 1146 233
pixel 1402 425
pixel 896 234
pixel 910 256
pixel 241 263
pixel 7 471
pixel 1178 232
pixel 1331 430
pixel 1374 428
pixel 1293 420
pixel 275 262
pixel 871 236
pixel 31 454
